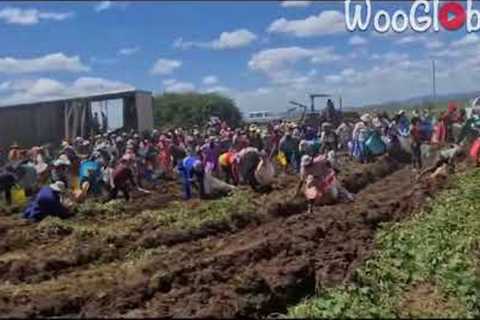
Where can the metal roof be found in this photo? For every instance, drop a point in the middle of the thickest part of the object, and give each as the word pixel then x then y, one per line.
pixel 97 97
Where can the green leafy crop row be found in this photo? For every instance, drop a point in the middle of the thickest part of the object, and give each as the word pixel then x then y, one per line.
pixel 180 216
pixel 437 247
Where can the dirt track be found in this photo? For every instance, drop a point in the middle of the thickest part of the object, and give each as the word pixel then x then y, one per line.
pixel 259 264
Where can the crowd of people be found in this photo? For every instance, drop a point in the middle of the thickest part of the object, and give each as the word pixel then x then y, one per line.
pixel 215 159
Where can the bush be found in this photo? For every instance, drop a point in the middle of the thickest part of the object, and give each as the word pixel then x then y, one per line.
pixel 188 109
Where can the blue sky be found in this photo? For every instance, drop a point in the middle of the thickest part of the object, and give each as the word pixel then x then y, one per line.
pixel 262 54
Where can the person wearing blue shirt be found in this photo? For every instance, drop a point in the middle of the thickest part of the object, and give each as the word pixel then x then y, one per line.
pixel 91 173
pixel 47 202
pixel 191 171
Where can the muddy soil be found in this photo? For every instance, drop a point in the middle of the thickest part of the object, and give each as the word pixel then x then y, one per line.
pixel 259 264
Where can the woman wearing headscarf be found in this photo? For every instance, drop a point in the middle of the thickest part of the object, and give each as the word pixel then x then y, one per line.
pixel 360 135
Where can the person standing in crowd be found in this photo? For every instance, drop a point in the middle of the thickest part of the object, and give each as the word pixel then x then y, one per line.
pixel 416 143
pixel 328 138
pixel 289 146
pixel 8 179
pixel 122 178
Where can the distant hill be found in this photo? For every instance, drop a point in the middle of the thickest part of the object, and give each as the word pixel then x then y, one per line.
pixel 422 102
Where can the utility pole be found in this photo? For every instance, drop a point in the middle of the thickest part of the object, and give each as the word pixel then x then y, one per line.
pixel 434 81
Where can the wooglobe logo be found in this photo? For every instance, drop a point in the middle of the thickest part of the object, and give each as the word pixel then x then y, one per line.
pixel 423 16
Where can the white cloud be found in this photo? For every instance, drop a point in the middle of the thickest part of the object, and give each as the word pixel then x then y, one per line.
pixel 28 17
pixel 172 85
pixel 357 41
pixel 103 5
pixel 44 89
pixel 277 64
pixel 428 40
pixel 128 51
pixel 4 86
pixel 434 44
pixel 165 66
pixel 327 22
pixel 226 40
pixel 220 89
pixel 168 82
pixel 410 39
pixel 209 80
pixel 86 84
pixel 48 63
pixel 468 40
pixel 391 56
pixel 295 3
pixel 234 39
pixel 386 76
pixel 107 5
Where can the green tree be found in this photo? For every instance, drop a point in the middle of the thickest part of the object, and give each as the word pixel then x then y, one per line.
pixel 187 109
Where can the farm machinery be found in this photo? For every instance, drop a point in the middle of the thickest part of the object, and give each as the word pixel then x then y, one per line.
pixel 312 117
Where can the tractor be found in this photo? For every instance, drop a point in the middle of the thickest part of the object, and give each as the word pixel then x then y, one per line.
pixel 312 117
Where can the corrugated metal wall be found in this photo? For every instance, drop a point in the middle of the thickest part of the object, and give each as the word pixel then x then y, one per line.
pixel 41 123
pixel 31 125
pixel 143 103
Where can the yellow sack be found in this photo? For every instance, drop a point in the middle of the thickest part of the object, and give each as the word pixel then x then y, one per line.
pixel 19 198
pixel 281 159
pixel 75 183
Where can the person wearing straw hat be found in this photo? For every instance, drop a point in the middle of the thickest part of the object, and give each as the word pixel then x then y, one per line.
pixel 48 202
pixel 14 152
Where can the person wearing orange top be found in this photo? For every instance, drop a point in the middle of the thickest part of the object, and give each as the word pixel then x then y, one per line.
pixel 227 165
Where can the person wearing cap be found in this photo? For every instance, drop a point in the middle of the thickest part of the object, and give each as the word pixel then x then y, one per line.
pixel 192 173
pixel 47 202
pixel 122 178
pixel 59 171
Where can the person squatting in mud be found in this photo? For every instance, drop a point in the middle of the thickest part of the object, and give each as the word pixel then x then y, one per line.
pixel 215 159
pixel 319 182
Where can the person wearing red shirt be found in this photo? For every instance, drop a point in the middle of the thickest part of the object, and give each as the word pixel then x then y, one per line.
pixel 122 176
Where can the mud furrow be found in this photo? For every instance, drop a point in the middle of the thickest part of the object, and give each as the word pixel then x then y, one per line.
pixel 291 258
pixel 33 267
pixel 286 260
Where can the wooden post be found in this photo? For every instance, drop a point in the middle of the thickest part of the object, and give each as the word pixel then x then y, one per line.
pixel 68 115
pixel 76 119
pixel 84 113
